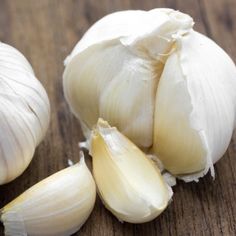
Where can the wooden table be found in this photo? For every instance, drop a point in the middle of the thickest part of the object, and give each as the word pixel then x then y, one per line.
pixel 45 31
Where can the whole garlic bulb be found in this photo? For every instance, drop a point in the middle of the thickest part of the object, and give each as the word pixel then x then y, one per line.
pixel 168 88
pixel 24 113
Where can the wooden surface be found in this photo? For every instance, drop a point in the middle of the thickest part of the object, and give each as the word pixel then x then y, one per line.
pixel 45 31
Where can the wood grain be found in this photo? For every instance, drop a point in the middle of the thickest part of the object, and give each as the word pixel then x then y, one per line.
pixel 45 31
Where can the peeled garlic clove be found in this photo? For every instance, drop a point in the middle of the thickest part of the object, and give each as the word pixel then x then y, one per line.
pixel 24 113
pixel 58 205
pixel 129 184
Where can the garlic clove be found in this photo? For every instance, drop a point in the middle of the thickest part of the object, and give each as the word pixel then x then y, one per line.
pixel 128 100
pixel 58 205
pixel 77 83
pixel 195 107
pixel 129 184
pixel 24 113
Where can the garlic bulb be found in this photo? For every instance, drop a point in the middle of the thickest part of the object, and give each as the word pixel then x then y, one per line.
pixel 129 184
pixel 58 205
pixel 24 113
pixel 168 88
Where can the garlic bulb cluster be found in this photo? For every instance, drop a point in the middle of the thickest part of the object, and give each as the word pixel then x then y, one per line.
pixel 168 88
pixel 57 206
pixel 24 113
pixel 129 184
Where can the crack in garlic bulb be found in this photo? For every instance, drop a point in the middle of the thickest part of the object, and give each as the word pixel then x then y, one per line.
pixel 24 113
pixel 168 88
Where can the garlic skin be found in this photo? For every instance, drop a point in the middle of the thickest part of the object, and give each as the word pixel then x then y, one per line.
pixel 203 103
pixel 129 184
pixel 24 113
pixel 57 206
pixel 166 87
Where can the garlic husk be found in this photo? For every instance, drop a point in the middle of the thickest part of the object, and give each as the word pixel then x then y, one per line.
pixel 130 25
pixel 24 113
pixel 129 184
pixel 58 205
pixel 166 87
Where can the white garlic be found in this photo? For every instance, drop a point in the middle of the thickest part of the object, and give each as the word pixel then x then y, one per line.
pixel 57 206
pixel 168 88
pixel 129 184
pixel 24 113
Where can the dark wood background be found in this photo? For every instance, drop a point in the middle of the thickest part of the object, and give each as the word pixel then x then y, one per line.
pixel 45 31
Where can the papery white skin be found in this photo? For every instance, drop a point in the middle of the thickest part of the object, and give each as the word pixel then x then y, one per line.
pixel 201 79
pixel 57 206
pixel 165 86
pixel 129 183
pixel 24 113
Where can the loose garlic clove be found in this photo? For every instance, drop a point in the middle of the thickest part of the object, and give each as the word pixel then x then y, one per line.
pixel 169 89
pixel 24 113
pixel 58 205
pixel 129 184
